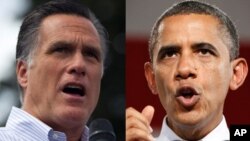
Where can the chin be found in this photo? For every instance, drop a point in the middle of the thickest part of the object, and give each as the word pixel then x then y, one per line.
pixel 192 118
pixel 74 114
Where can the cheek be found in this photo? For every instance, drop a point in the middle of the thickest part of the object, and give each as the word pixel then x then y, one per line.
pixel 46 75
pixel 94 75
pixel 165 86
pixel 216 82
pixel 94 85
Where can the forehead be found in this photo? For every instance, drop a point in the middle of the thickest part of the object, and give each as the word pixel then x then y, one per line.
pixel 62 26
pixel 189 25
pixel 188 29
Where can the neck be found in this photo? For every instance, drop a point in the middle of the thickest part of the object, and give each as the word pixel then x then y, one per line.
pixel 73 133
pixel 194 132
pixel 74 136
pixel 71 128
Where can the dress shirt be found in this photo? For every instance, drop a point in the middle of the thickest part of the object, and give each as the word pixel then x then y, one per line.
pixel 220 133
pixel 21 126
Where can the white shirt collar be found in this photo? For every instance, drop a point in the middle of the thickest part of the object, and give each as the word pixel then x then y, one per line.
pixel 27 126
pixel 220 133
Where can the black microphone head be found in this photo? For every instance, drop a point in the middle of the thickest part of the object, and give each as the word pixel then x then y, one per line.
pixel 101 130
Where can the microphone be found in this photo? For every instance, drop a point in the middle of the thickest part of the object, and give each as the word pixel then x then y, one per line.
pixel 101 130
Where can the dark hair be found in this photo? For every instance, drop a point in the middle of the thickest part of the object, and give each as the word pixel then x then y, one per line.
pixel 188 7
pixel 29 31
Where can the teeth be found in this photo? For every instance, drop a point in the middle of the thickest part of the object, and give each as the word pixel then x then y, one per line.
pixel 74 87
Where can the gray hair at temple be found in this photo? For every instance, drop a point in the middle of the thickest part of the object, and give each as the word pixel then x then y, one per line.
pixel 227 27
pixel 29 32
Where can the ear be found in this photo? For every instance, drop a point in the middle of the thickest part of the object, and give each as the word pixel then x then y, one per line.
pixel 150 76
pixel 22 73
pixel 240 70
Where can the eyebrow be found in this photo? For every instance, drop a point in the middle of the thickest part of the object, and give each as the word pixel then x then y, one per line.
pixel 86 48
pixel 177 48
pixel 62 44
pixel 167 48
pixel 93 50
pixel 58 44
pixel 205 45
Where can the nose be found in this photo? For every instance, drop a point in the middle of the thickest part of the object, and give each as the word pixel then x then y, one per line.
pixel 77 65
pixel 186 68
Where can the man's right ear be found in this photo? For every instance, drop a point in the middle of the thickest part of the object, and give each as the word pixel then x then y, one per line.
pixel 150 76
pixel 22 73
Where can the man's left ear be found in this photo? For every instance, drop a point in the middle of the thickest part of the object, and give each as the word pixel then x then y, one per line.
pixel 240 70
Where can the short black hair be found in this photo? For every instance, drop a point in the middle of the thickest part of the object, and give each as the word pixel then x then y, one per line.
pixel 188 7
pixel 28 34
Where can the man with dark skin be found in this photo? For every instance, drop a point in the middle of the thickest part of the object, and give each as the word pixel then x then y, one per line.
pixel 194 62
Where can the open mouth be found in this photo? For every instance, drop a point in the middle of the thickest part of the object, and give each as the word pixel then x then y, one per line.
pixel 186 92
pixel 187 96
pixel 73 89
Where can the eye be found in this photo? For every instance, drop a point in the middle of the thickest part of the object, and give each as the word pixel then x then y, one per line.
pixel 61 49
pixel 171 54
pixel 168 53
pixel 205 52
pixel 91 52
